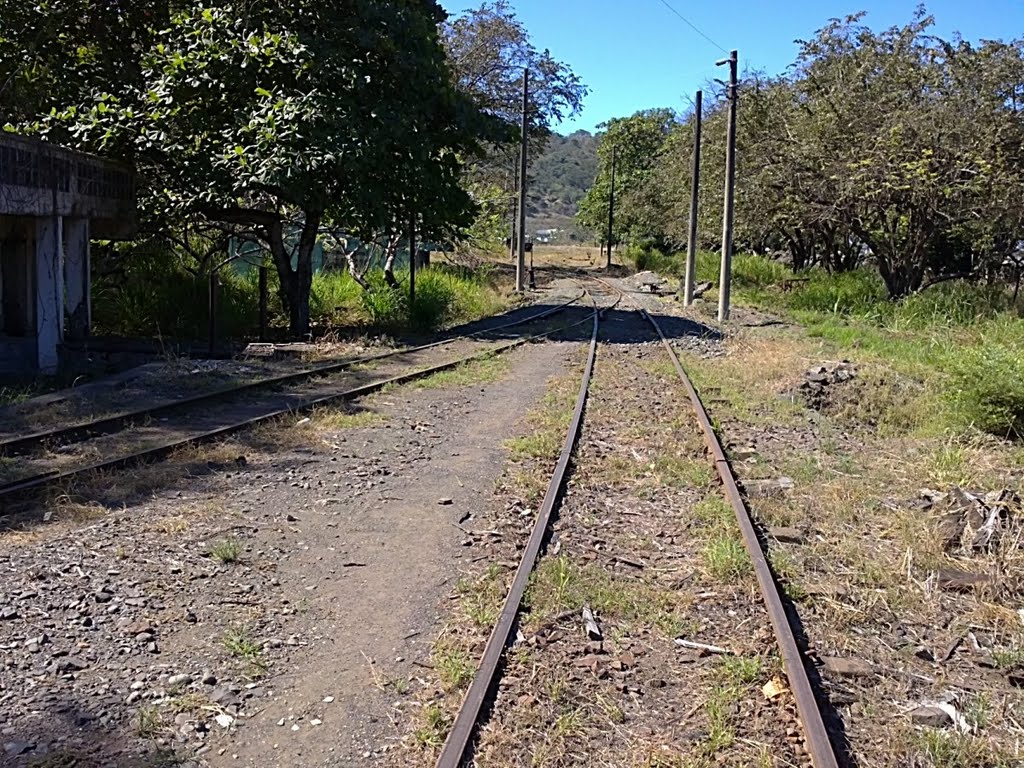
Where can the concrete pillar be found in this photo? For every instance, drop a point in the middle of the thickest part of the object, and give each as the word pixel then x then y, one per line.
pixel 78 300
pixel 49 285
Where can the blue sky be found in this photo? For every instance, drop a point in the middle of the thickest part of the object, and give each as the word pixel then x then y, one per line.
pixel 635 54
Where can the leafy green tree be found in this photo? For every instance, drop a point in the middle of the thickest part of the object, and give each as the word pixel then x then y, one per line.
pixel 280 121
pixel 488 48
pixel 637 144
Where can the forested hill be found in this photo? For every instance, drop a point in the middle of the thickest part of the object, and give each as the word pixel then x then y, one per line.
pixel 559 178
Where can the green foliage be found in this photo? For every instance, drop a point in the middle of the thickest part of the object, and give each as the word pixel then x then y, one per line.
pixel 635 144
pixel 892 148
pixel 987 384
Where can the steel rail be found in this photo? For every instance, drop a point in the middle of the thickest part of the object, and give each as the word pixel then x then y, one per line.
pixel 85 429
pixel 35 482
pixel 457 745
pixel 819 745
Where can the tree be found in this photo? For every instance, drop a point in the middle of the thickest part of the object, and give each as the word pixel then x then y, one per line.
pixel 637 143
pixel 280 119
pixel 488 49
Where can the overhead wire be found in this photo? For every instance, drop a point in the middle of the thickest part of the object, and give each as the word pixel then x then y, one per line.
pixel 693 26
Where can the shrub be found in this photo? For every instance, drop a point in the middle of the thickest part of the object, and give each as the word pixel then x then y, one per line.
pixel 987 383
pixel 860 292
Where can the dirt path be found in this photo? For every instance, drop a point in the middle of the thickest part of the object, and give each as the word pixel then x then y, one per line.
pixel 269 613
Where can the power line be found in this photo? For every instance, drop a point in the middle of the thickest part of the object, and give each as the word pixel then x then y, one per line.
pixel 692 26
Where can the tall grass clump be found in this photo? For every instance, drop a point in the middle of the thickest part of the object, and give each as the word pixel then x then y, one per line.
pixel 858 293
pixel 335 298
pixel 156 296
pixel 953 304
pixel 986 380
pixel 444 295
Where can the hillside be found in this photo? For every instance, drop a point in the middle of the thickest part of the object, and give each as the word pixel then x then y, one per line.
pixel 559 178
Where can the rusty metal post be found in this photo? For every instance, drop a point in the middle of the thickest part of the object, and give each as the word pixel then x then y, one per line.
pixel 211 330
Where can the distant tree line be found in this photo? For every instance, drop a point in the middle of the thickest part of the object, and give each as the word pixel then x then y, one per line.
pixel 283 123
pixel 894 147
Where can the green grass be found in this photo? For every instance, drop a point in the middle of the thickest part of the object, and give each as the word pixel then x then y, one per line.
pixel 726 559
pixel 227 551
pixel 156 297
pixel 959 344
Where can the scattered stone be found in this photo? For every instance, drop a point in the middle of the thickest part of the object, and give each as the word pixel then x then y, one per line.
pixel 328 699
pixel 209 678
pixel 7 613
pixel 819 380
pixel 954 580
pixel 182 679
pixel 16 748
pixel 847 667
pixel 224 721
pixel 787 535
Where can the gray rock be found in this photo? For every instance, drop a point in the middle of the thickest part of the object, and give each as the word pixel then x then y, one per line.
pixel 15 748
pixel 182 679
pixel 932 717
pixel 6 614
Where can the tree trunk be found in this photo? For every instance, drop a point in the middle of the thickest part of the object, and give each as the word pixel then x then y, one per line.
pixel 298 312
pixel 296 283
pixel 391 250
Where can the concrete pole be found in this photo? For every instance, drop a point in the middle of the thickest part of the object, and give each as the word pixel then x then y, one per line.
pixel 49 290
pixel 78 298
pixel 611 208
pixel 725 278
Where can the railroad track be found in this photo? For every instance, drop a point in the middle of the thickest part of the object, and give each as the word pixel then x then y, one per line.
pixel 458 749
pixel 157 430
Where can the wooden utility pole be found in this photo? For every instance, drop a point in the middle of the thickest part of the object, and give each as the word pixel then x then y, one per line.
pixel 521 260
pixel 725 278
pixel 515 210
pixel 691 243
pixel 611 209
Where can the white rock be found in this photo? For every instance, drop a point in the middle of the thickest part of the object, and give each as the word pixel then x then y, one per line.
pixel 224 721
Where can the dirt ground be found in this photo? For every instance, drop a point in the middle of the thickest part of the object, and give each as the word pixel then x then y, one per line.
pixel 263 613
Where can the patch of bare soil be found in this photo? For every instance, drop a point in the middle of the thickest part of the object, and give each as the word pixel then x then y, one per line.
pixel 271 612
pixel 679 665
pixel 901 549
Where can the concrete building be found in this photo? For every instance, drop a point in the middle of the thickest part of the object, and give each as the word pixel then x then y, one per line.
pixel 53 201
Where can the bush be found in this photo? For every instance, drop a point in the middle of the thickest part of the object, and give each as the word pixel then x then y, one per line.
pixel 987 387
pixel 157 297
pixel 860 293
pixel 951 304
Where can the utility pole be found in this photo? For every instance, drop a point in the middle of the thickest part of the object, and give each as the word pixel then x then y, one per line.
pixel 521 260
pixel 691 243
pixel 515 211
pixel 611 208
pixel 725 278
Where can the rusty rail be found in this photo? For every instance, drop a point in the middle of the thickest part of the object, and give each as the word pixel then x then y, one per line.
pixel 92 428
pixel 819 745
pixel 457 745
pixel 35 482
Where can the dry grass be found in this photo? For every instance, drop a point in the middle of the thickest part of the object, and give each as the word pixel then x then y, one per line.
pixel 871 553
